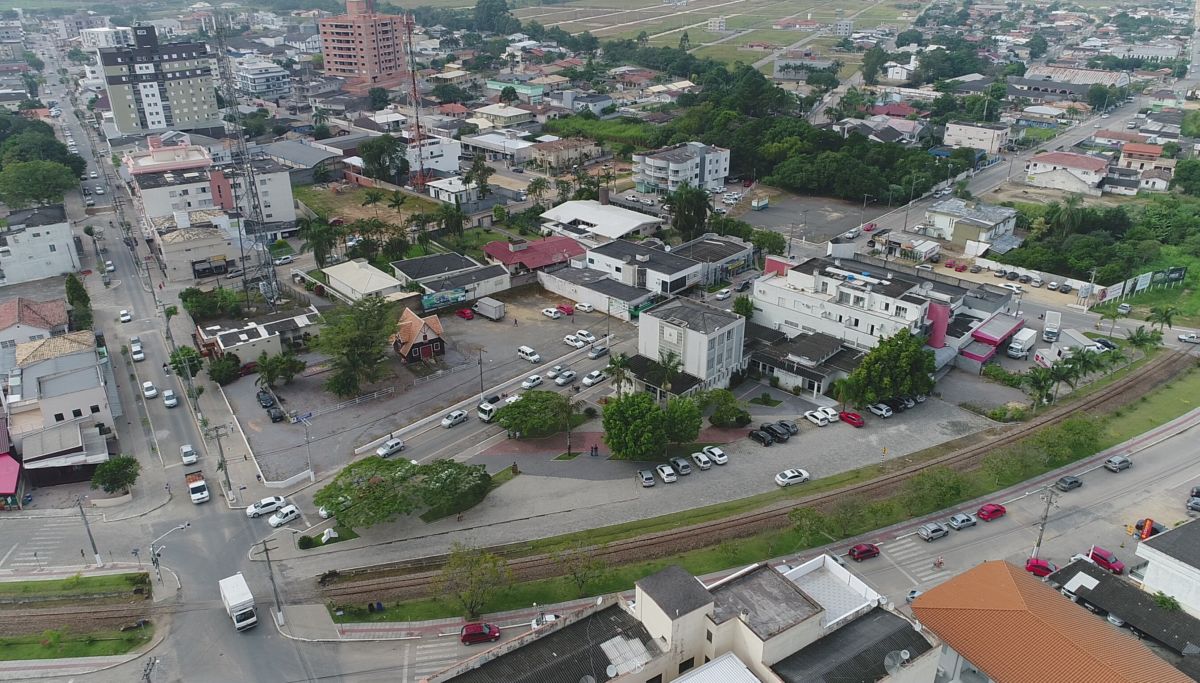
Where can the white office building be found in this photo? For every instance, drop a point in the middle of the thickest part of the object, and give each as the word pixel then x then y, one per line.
pixel 262 79
pixel 114 36
pixel 707 340
pixel 694 163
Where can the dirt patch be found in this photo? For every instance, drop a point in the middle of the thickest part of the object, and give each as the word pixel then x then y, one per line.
pixel 341 200
pixel 1014 192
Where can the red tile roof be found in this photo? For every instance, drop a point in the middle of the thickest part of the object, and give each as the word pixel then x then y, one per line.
pixel 894 109
pixel 536 254
pixel 1016 629
pixel 453 108
pixel 1071 160
pixel 409 328
pixel 1140 148
pixel 40 314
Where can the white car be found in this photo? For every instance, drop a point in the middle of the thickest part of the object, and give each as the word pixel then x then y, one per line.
pixel 1015 289
pixel 455 418
pixel 125 316
pixel 264 506
pixel 285 515
pixel 724 294
pixel 789 477
pixel 817 418
pixel 148 389
pixel 715 454
pixel 531 382
pixel 666 474
pixel 586 336
pixel 703 462
pixel 593 378
pixel 829 413
pixel 512 399
pixel 556 371
pixel 564 378
pixel 961 520
pixel 187 454
pixel 1190 338
pixel 572 340
pixel 170 400
pixel 389 448
pixel 136 353
pixel 284 260
pixel 881 409
pixel 99 190
pixel 92 174
pixel 552 313
pixel 585 307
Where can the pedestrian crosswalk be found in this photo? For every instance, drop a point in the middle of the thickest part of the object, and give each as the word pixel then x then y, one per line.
pixel 43 545
pixel 431 655
pixel 916 558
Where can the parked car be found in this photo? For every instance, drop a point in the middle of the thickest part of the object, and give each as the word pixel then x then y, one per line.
pixel 566 309
pixel 989 511
pixel 285 514
pixel 454 418
pixel 790 477
pixel 716 454
pixel 1015 289
pixel 1117 463
pixel 1107 343
pixel 187 454
pixel 593 378
pixel 1039 567
pixel 1068 483
pixel 1025 279
pixel 265 399
pixel 976 268
pixel 1012 275
pixel 932 531
pixel 1189 338
pixel 598 352
pixel 791 427
pixel 148 389
pixel 170 400
pixel 389 448
pixel 778 433
pixel 723 294
pixel 646 478
pixel 1065 288
pixel 869 227
pixel 284 260
pixel 1105 559
pixel 666 473
pixel 551 313
pixel 125 316
pixel 819 419
pixel 829 413
pixel 1053 286
pixel 276 414
pixel 742 286
pixel 572 340
pixel 264 506
pixel 1193 504
pixel 961 520
pixel 1124 309
pixel 585 307
pixel 703 462
pixel 564 378
pixel 465 313
pixel 1155 527
pixel 586 336
pixel 912 595
pixel 472 634
pixel 863 551
pixel 136 353
pixel 897 405
pixel 880 409
pixel 763 438
pixel 681 466
pixel 853 419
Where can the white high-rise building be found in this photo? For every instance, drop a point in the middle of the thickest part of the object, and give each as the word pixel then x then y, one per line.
pixel 96 38
pixel 694 163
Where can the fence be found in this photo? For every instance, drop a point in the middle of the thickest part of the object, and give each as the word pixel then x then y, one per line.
pixel 442 373
pixel 352 402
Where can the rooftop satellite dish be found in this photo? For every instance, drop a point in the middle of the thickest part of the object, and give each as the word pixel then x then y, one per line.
pixel 892 661
pixel 611 670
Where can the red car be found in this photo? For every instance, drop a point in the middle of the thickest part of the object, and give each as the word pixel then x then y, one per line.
pixel 991 511
pixel 747 183
pixel 471 634
pixel 851 418
pixel 950 263
pixel 960 268
pixel 1039 567
pixel 465 313
pixel 566 309
pixel 1106 560
pixel 863 551
pixel 869 227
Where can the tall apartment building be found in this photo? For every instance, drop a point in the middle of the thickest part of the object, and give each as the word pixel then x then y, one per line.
pixel 154 86
pixel 113 36
pixel 262 79
pixel 694 163
pixel 364 47
pixel 69 27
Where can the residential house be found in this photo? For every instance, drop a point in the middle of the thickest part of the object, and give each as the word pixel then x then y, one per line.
pixel 959 221
pixel 1142 157
pixel 1165 99
pixel 708 342
pixel 453 110
pixel 1068 171
pixel 1046 637
pixel 1155 180
pixel 574 101
pixel 499 145
pixel 593 222
pixel 565 153
pixel 639 264
pixel 522 256
pixel 417 270
pixel 416 338
pixel 895 71
pixel 1116 138
pixel 23 320
pixel 504 116
pixel 1170 563
pixel 249 339
pixel 990 137
pixel 550 82
pixel 720 257
pixel 356 279
pixel 694 163
pixel 530 93
pixel 453 190
pixel 37 243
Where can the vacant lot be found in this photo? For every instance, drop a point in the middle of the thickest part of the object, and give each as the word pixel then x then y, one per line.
pixel 346 202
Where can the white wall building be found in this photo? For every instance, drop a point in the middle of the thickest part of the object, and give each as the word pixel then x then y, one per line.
pixel 37 243
pixel 358 279
pixel 592 222
pixel 956 220
pixel 694 163
pixel 990 137
pixel 55 380
pixel 262 79
pixel 644 267
pixel 707 340
pixel 95 38
pixel 1173 565
pixel 1067 171
pixel 436 153
pixel 451 190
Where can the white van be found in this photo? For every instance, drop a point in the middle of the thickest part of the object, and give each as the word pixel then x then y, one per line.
pixel 528 354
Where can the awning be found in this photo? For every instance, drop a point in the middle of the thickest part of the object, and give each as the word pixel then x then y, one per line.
pixel 10 471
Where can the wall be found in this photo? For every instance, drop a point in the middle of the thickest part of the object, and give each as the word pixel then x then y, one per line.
pixel 20 333
pixel 614 307
pixel 1169 575
pixel 165 200
pixel 178 258
pixel 255 347
pixel 28 257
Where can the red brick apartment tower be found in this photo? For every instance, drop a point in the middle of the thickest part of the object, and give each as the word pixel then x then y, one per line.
pixel 364 47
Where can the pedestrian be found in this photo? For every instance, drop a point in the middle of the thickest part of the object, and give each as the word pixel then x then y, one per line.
pixel 258 477
pixel 514 322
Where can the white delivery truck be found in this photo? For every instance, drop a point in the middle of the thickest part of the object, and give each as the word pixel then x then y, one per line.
pixel 239 601
pixel 197 489
pixel 1053 325
pixel 489 308
pixel 1022 343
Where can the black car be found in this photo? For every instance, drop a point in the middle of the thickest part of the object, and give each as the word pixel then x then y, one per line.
pixel 1064 288
pixel 1012 275
pixel 761 437
pixel 896 405
pixel 275 414
pixel 265 399
pixel 789 426
pixel 1106 343
pixel 777 433
pixel 743 286
pixel 1068 482
pixel 1025 279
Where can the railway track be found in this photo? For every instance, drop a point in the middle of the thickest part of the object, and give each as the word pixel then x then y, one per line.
pixel 1158 371
pixel 79 618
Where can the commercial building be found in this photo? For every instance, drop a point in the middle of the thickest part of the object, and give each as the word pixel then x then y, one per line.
pixel 262 79
pixel 990 137
pixel 452 190
pixel 563 154
pixel 113 36
pixel 1171 564
pixel 37 243
pixel 499 145
pixel 162 193
pixel 68 27
pixel 1069 171
pixel 593 222
pixel 720 257
pixel 357 279
pixel 364 47
pixel 270 334
pixel 959 221
pixel 504 116
pixel 641 265
pixel 694 163
pixel 201 243
pixel 707 340
pixel 843 28
pixel 154 86
pixel 1116 79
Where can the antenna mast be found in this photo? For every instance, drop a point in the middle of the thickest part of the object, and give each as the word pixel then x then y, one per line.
pixel 416 135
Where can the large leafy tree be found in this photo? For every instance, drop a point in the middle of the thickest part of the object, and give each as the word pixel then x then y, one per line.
pixel 898 366
pixel 446 485
pixel 635 427
pixel 378 97
pixel 682 419
pixel 689 210
pixel 225 368
pixel 471 575
pixel 186 361
pixel 116 474
pixel 538 413
pixel 279 367
pixel 372 491
pixel 478 175
pixel 384 158
pixel 355 339
pixel 35 182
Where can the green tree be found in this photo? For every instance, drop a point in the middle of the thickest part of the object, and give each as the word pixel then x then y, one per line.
pixel 899 365
pixel 564 189
pixel 116 474
pixel 371 491
pixel 355 339
pixel 1061 371
pixel 320 172
pixel 810 526
pixel 447 92
pixel 384 158
pixel 933 489
pixel 1037 45
pixel 35 182
pixel 537 188
pixel 682 419
pixel 279 367
pixel 379 98
pixel 508 94
pixel 726 410
pixel 80 302
pixel 872 65
pixel 909 37
pixel 452 218
pixel 447 486
pixel 1187 177
pixel 319 237
pixel 225 368
pixel 471 576
pixel 1162 315
pixel 581 566
pixel 538 413
pixel 689 210
pixel 618 371
pixel 685 42
pixel 769 242
pixel 634 427
pixel 1040 384
pixel 744 306
pixel 478 175
pixel 1143 340
pixel 186 361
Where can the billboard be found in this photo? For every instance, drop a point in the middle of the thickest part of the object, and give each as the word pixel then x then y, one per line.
pixel 1143 282
pixel 1112 292
pixel 431 302
pixel 1175 274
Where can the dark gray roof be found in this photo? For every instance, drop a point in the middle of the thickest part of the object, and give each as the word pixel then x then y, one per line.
pixel 1181 543
pixel 711 249
pixel 693 315
pixel 235 336
pixel 170 178
pixel 897 283
pixel 675 590
pixel 602 283
pixel 38 215
pixel 763 335
pixel 816 347
pixel 347 142
pixel 1176 630
pixel 887 134
pixel 764 600
pixel 467 277
pixel 572 652
pixel 434 264
pixel 658 260
pixel 855 652
pixel 298 153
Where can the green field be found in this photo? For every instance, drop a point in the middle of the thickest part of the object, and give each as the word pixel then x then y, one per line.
pixel 74 586
pixel 62 644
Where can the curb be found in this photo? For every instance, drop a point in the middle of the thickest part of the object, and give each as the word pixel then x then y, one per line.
pixel 159 637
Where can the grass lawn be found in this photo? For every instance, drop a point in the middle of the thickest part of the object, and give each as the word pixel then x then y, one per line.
pixel 75 586
pixel 319 275
pixel 765 400
pixel 344 533
pixel 60 644
pixel 567 456
pixel 1039 134
pixel 281 248
pixel 347 204
pixel 472 241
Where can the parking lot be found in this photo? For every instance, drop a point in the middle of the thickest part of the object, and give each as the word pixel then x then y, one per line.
pixel 815 219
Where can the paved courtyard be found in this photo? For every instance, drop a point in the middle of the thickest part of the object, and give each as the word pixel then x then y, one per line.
pixel 813 219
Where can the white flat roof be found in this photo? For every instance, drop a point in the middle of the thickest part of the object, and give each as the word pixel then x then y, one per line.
pixel 501 110
pixel 605 220
pixel 454 184
pixel 499 142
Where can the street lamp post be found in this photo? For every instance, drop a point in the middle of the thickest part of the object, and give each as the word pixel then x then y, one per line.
pixel 88 529
pixel 156 550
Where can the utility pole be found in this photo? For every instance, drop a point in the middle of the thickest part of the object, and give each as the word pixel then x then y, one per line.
pixel 481 389
pixel 88 529
pixel 1047 496
pixel 156 551
pixel 274 588
pixel 1087 301
pixel 911 189
pixel 218 432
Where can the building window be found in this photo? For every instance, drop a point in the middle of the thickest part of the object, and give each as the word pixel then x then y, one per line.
pixel 656 679
pixel 58 417
pixel 687 664
pixel 708 636
pixel 35 337
pixel 8 343
pixel 77 413
pixel 901 311
pixel 95 409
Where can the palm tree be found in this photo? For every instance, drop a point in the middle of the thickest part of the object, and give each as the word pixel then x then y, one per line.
pixel 1111 314
pixel 569 409
pixel 1063 371
pixel 372 197
pixel 618 370
pixel 847 390
pixel 671 365
pixel 451 217
pixel 320 116
pixel 1162 315
pixel 1065 217
pixel 396 200
pixel 1040 382
pixel 537 187
pixel 1143 340
pixel 607 177
pixel 1086 362
pixel 319 237
pixel 1114 358
pixel 564 189
pixel 417 226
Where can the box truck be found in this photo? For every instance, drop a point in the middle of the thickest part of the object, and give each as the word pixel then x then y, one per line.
pixel 239 601
pixel 1052 326
pixel 489 308
pixel 1022 343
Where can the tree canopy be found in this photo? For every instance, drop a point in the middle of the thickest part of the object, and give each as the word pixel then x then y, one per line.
pixel 35 182
pixel 900 365
pixel 375 490
pixel 384 158
pixel 355 339
pixel 635 427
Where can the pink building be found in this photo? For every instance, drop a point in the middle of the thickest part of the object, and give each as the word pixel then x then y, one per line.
pixel 365 48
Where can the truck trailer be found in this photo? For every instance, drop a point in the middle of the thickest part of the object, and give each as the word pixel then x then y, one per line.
pixel 1052 327
pixel 1022 343
pixel 489 308
pixel 238 601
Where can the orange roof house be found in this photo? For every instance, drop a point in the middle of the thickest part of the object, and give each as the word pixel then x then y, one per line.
pixel 1015 629
pixel 417 338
